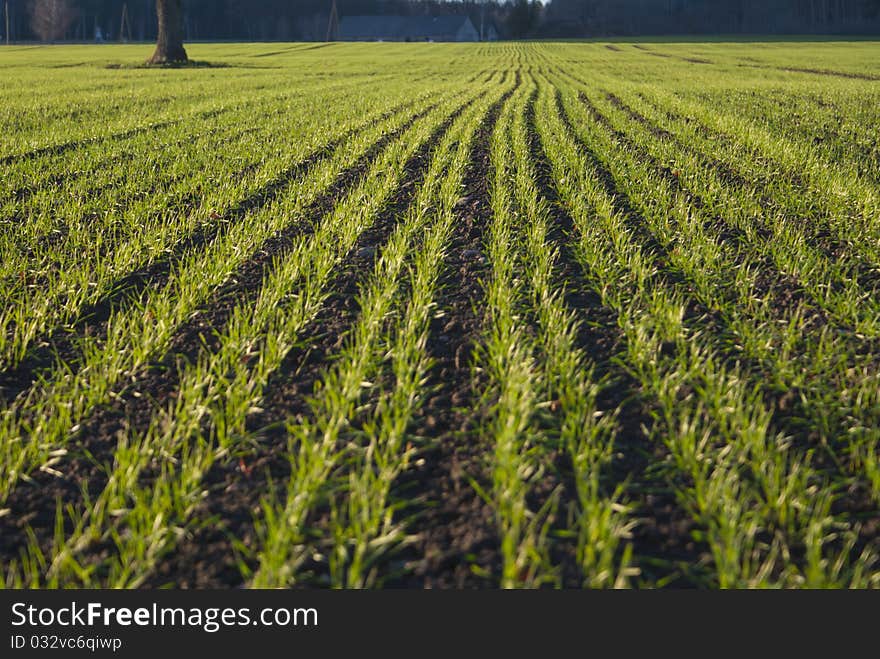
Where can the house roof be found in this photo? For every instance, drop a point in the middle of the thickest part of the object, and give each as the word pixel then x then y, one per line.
pixel 400 27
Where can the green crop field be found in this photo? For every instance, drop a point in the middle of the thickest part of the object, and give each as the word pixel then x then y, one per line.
pixel 422 315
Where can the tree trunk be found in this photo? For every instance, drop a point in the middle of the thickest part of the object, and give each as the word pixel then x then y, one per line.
pixel 169 45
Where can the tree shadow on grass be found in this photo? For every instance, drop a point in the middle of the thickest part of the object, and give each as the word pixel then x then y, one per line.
pixel 191 64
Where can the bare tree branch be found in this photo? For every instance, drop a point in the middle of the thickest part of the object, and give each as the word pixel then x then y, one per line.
pixel 50 19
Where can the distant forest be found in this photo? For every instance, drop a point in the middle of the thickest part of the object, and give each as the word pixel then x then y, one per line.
pixel 284 20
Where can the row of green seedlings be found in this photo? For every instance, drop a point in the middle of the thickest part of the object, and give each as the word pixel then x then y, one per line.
pixel 837 380
pixel 71 114
pixel 751 320
pixel 207 418
pixel 535 370
pixel 352 448
pixel 83 267
pixel 82 166
pixel 837 384
pixel 35 429
pixel 752 499
pixel 363 528
pixel 841 125
pixel 831 281
pixel 812 187
pixel 103 173
pixel 642 325
pixel 509 363
pixel 585 433
pixel 801 218
pixel 92 162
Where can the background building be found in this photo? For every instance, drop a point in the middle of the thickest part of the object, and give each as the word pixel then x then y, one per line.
pixel 407 28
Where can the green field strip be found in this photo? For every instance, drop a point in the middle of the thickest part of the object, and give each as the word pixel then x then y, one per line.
pixel 726 414
pixel 63 147
pixel 616 266
pixel 577 427
pixel 336 87
pixel 847 205
pixel 362 531
pixel 66 212
pixel 162 103
pixel 240 161
pixel 222 386
pixel 86 185
pixel 849 75
pixel 93 275
pixel 389 427
pixel 841 418
pixel 832 285
pixel 832 208
pixel 837 284
pixel 668 235
pixel 763 339
pixel 29 173
pixel 138 93
pixel 844 132
pixel 48 210
pixel 77 171
pixel 32 425
pixel 792 208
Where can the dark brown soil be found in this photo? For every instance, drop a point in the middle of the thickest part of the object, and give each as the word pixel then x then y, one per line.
pixel 790 415
pixel 663 540
pixel 61 345
pixel 787 292
pixel 208 558
pixel 136 401
pixel 828 72
pixel 456 542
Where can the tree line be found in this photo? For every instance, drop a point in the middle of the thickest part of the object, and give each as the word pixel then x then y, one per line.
pixel 283 20
pixel 584 18
pixel 245 20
